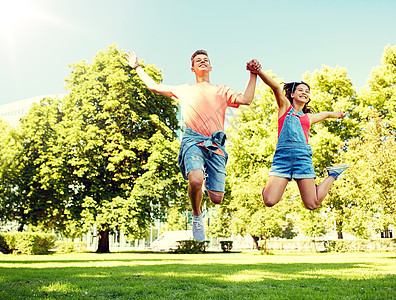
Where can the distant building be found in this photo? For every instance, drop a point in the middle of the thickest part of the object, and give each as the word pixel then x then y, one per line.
pixel 12 112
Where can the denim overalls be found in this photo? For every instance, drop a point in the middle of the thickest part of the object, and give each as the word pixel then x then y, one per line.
pixel 293 155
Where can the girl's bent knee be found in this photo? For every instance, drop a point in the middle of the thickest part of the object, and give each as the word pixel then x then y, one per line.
pixel 268 202
pixel 311 206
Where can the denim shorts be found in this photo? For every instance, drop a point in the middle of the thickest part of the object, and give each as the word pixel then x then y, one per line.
pixel 293 162
pixel 213 166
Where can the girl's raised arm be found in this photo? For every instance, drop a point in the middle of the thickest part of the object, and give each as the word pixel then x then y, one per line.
pixel 283 103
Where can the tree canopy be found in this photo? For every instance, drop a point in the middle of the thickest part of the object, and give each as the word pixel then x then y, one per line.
pixel 104 156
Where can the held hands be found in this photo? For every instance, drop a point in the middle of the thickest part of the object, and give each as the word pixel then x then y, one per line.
pixel 132 59
pixel 253 66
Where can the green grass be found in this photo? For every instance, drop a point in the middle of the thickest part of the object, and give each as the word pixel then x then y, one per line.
pixel 199 276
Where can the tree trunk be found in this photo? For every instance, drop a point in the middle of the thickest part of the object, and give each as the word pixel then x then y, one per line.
pixel 264 248
pixel 103 244
pixel 20 227
pixel 255 242
pixel 339 229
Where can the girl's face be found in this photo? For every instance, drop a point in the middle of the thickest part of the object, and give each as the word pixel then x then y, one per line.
pixel 301 93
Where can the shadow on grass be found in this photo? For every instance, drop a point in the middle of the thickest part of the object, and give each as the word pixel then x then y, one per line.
pixel 200 281
pixel 96 257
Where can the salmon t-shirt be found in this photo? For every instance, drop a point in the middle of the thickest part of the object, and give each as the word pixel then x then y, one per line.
pixel 203 105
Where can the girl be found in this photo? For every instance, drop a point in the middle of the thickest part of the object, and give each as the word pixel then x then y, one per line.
pixel 293 155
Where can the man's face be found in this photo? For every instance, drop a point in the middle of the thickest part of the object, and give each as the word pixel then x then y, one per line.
pixel 201 63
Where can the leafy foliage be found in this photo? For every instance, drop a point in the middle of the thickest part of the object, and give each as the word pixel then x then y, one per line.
pixel 380 92
pixel 29 242
pixel 175 220
pixel 190 246
pixel 226 246
pixel 105 155
pixel 371 186
pixel 120 129
pixel 33 181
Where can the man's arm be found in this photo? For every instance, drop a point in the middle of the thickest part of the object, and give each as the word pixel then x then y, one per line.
pixel 159 88
pixel 247 97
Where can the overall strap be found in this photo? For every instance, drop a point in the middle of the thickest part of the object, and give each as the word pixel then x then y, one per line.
pixel 292 112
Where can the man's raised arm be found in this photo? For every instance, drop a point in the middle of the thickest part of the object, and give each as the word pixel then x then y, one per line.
pixel 159 88
pixel 247 97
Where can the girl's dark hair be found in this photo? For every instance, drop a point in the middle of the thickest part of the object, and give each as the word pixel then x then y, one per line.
pixel 290 87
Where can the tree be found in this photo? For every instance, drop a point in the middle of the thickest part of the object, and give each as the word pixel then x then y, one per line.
pixel 371 154
pixel 31 190
pixel 331 90
pixel 115 128
pixel 162 184
pixel 221 221
pixel 175 220
pixel 370 182
pixel 9 149
pixel 312 223
pixel 380 93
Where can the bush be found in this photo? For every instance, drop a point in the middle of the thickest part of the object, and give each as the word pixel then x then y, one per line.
pixel 362 245
pixel 226 246
pixel 4 248
pixel 29 242
pixel 67 247
pixel 190 246
pixel 340 245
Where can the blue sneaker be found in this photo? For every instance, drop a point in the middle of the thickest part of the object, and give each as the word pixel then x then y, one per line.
pixel 198 228
pixel 336 170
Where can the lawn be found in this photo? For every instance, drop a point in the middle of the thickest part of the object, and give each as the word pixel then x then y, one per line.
pixel 246 275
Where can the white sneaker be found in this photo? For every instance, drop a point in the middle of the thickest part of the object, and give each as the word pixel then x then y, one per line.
pixel 198 228
pixel 336 170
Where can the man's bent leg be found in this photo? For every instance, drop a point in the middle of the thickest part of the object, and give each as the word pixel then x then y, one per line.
pixel 215 181
pixel 215 197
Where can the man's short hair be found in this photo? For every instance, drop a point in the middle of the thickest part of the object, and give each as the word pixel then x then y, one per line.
pixel 197 53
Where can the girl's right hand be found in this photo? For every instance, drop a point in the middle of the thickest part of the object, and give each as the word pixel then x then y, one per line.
pixel 340 114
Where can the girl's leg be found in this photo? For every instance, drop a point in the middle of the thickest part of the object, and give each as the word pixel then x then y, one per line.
pixel 312 195
pixel 273 191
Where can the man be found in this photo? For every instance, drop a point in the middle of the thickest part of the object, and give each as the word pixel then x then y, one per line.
pixel 202 158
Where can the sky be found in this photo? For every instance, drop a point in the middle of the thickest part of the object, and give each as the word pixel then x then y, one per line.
pixel 40 38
